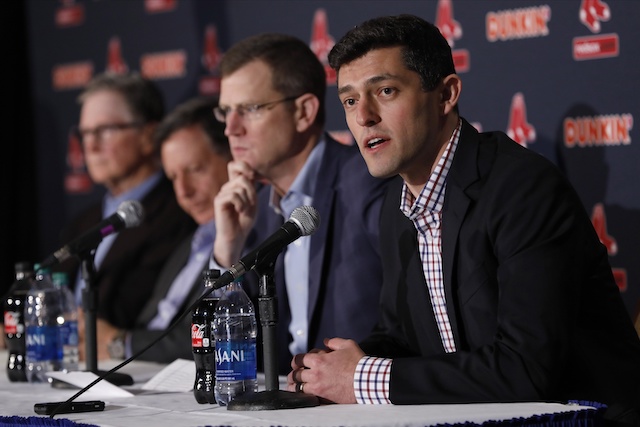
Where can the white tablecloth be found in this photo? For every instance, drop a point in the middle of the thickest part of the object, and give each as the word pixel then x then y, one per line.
pixel 149 408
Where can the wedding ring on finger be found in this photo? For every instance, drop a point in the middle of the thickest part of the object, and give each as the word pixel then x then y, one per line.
pixel 300 387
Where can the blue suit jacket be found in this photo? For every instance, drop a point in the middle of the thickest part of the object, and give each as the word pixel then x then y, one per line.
pixel 345 273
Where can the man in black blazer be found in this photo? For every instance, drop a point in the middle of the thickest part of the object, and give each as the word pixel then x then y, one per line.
pixel 496 287
pixel 272 101
pixel 118 117
pixel 195 154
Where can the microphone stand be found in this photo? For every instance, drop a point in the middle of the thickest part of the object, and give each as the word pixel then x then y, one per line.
pixel 272 397
pixel 90 306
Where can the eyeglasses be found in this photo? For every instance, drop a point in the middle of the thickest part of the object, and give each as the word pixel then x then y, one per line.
pixel 250 112
pixel 103 132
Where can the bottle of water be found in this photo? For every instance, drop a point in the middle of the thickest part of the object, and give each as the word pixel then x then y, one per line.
pixel 14 330
pixel 43 310
pixel 68 330
pixel 235 330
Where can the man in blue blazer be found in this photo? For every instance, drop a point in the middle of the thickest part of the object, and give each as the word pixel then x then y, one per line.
pixel 496 287
pixel 272 101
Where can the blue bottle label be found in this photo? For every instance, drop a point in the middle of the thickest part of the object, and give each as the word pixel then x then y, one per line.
pixel 69 333
pixel 42 343
pixel 236 360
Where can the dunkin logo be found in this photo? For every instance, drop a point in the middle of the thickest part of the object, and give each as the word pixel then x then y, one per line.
pixel 518 23
pixel 71 76
pixel 598 131
pixel 157 6
pixel 69 15
pixel 164 65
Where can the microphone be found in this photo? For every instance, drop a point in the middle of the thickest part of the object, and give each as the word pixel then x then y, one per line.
pixel 304 221
pixel 130 213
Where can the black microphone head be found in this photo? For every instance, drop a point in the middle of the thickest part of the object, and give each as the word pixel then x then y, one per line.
pixel 131 212
pixel 306 218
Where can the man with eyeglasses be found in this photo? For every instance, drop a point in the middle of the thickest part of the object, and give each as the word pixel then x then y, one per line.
pixel 194 153
pixel 272 101
pixel 119 114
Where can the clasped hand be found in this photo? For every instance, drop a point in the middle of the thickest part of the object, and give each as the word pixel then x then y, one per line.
pixel 327 373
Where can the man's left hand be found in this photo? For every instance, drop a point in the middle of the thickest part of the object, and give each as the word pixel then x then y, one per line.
pixel 328 373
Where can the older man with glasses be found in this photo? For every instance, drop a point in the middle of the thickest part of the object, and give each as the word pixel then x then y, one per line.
pixel 272 102
pixel 118 118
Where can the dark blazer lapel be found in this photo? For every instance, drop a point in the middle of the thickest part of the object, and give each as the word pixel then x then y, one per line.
pixel 463 173
pixel 130 237
pixel 171 269
pixel 323 201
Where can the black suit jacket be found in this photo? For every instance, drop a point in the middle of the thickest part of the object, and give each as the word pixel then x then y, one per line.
pixel 534 309
pixel 129 271
pixel 177 343
pixel 344 271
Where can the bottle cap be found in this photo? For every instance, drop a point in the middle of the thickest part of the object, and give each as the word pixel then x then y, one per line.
pixel 60 278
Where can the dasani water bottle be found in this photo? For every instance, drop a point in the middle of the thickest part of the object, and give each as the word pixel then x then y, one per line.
pixel 43 315
pixel 235 330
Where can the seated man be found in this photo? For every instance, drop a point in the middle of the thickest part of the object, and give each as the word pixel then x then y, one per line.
pixel 195 153
pixel 496 287
pixel 118 118
pixel 272 101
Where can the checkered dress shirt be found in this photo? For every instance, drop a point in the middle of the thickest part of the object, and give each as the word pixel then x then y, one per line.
pixel 371 380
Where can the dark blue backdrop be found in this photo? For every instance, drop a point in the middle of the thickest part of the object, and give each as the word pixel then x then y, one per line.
pixel 561 75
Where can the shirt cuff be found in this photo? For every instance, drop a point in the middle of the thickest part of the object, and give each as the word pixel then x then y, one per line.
pixel 371 380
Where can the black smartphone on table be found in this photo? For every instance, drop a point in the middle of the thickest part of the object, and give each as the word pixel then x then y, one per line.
pixel 73 407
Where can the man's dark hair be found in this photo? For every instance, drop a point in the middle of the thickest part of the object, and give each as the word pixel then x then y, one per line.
pixel 196 111
pixel 424 49
pixel 143 97
pixel 296 69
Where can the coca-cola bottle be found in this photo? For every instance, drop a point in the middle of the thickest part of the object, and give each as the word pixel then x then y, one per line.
pixel 203 344
pixel 14 329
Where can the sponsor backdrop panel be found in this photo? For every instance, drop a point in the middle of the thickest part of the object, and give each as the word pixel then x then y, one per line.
pixel 559 76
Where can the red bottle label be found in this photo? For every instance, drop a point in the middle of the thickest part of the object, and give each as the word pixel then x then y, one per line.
pixel 11 322
pixel 198 338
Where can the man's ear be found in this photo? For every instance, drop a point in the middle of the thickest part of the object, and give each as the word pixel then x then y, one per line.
pixel 307 107
pixel 450 93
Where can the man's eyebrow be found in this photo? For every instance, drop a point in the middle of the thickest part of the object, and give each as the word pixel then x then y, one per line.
pixel 370 81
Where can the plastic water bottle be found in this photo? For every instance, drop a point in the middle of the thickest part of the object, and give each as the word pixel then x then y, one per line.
pixel 43 310
pixel 203 344
pixel 14 330
pixel 235 330
pixel 68 329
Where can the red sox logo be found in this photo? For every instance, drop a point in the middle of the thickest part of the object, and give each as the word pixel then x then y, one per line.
pixel 592 12
pixel 449 27
pixel 519 129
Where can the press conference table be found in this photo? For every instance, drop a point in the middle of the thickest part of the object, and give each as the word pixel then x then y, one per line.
pixel 152 408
